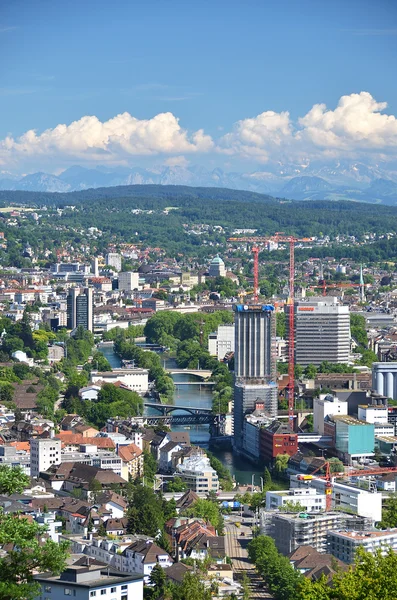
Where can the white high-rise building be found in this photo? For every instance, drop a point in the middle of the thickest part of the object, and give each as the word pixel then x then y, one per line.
pixel 222 341
pixel 326 405
pixel 113 259
pixel 322 331
pixel 128 281
pixel 44 454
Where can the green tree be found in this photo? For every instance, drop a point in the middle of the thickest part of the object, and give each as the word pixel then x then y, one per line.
pixel 27 555
pixel 281 463
pixel 12 480
pixel 389 513
pixel 310 372
pixel 267 479
pixel 372 576
pixel 158 579
pixel 205 509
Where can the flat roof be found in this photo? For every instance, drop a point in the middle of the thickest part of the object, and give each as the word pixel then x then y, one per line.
pixel 105 577
pixel 366 535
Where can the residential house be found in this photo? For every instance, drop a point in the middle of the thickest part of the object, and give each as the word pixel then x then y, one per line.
pixel 132 461
pixel 142 556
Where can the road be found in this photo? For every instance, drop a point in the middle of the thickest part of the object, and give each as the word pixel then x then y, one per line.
pixel 236 542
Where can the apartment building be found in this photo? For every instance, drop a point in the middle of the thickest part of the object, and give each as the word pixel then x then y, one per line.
pixel 43 454
pixel 198 474
pixel 344 544
pixel 309 498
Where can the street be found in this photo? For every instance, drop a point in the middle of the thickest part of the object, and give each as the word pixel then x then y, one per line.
pixel 236 542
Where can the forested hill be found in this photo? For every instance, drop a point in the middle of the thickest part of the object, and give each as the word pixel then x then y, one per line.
pixel 113 210
pixel 160 195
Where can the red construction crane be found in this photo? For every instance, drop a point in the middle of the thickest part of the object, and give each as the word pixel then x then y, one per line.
pixel 322 284
pixel 291 240
pixel 255 252
pixel 328 478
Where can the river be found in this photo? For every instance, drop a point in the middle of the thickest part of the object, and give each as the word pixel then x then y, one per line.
pixel 193 395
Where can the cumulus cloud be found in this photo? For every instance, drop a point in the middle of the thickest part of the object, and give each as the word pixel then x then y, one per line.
pixel 357 126
pixel 258 136
pixel 114 140
pixel 356 123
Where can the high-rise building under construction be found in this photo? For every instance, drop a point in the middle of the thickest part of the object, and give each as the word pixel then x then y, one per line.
pixel 254 364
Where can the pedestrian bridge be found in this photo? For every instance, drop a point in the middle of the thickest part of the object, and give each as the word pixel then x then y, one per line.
pixel 314 438
pixel 204 373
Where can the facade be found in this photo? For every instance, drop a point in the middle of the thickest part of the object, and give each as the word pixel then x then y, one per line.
pixel 198 474
pixel 326 405
pixel 384 379
pixel 343 544
pixel 277 439
pixel 255 343
pixel 353 438
pixel 246 397
pixel 309 498
pixel 221 342
pixel 217 267
pixel 44 454
pixel 128 281
pixel 80 306
pixel 255 364
pixel 373 413
pixel 114 260
pixel 136 380
pixel 350 498
pixel 85 583
pixel 290 530
pixel 322 331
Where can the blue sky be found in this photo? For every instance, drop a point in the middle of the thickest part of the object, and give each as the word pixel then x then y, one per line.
pixel 211 64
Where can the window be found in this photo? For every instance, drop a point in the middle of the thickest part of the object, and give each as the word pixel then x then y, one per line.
pixel 113 590
pixel 92 594
pixel 124 587
pixel 67 592
pixel 103 592
pixel 47 588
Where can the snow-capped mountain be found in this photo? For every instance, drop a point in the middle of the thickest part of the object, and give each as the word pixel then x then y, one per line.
pixel 314 181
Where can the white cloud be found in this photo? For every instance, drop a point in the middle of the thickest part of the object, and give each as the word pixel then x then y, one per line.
pixel 356 127
pixel 355 124
pixel 90 139
pixel 256 137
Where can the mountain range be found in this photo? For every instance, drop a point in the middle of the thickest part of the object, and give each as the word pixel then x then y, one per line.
pixel 337 181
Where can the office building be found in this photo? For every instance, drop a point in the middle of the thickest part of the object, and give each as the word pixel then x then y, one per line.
pixel 217 267
pixel 348 497
pixel 255 342
pixel 90 581
pixel 43 454
pixel 255 364
pixel 246 397
pixel 344 544
pixel 322 331
pixel 384 379
pixel 290 530
pixel 309 498
pixel 80 304
pixel 325 405
pixel 373 413
pixel 353 438
pixel 392 417
pixel 128 281
pixel 113 259
pixel 221 342
pixel 277 439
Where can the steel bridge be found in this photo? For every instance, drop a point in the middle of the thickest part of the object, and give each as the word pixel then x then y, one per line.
pixel 166 409
pixel 188 419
